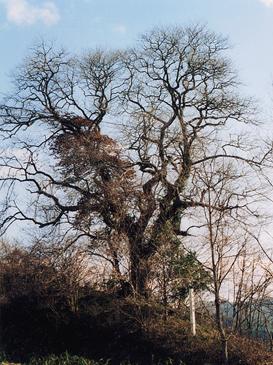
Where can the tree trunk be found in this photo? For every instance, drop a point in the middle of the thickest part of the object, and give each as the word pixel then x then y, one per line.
pixel 164 293
pixel 223 337
pixel 139 269
pixel 224 343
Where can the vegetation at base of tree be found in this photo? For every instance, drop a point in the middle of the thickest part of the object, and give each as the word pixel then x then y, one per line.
pixel 46 310
pixel 66 359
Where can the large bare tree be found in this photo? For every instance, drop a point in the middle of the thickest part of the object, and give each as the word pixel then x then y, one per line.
pixel 172 102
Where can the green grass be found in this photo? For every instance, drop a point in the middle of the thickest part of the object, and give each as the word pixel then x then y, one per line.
pixel 67 359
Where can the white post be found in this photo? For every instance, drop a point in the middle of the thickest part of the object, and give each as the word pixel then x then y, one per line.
pixel 192 313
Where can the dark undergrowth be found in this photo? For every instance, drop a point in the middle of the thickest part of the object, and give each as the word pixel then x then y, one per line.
pixel 118 330
pixel 66 359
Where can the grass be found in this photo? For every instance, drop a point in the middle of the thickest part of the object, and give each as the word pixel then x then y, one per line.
pixel 66 359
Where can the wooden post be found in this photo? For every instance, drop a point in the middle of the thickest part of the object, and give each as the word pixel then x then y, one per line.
pixel 192 313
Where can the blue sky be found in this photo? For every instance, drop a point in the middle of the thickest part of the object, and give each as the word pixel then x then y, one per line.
pixel 83 24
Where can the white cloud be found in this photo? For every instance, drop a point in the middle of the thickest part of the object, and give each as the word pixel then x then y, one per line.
pixel 268 3
pixel 23 12
pixel 120 28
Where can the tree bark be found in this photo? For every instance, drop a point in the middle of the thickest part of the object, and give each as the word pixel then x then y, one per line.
pixel 139 270
pixel 223 337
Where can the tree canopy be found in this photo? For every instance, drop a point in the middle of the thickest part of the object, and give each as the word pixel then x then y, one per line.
pixel 115 143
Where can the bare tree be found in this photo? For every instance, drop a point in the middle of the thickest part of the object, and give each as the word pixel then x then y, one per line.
pixel 252 298
pixel 175 96
pixel 225 236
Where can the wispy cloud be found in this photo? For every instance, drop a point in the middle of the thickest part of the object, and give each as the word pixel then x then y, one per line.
pixel 120 28
pixel 268 3
pixel 23 12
